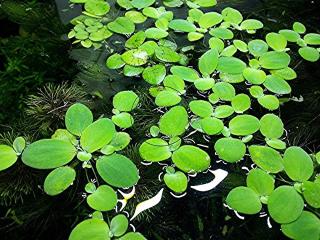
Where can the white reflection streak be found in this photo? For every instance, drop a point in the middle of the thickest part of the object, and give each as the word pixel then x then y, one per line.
pixel 219 175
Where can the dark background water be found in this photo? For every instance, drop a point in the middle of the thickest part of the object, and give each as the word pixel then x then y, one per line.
pixel 197 216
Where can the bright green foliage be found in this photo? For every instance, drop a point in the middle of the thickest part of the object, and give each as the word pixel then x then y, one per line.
pixel 119 225
pixel 176 181
pixel 230 149
pixel 117 170
pixel 103 199
pixel 77 118
pixel 155 150
pixel 261 182
pixel 59 180
pixel 7 157
pixel 94 229
pixel 174 122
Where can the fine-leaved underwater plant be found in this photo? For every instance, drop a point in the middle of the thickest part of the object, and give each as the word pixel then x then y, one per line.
pixel 218 88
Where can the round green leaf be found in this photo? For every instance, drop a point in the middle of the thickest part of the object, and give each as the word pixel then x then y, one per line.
pixel 232 15
pixel 117 170
pixel 191 159
pixel 135 40
pixel 201 108
pixel 254 76
pixel 312 38
pixel 97 7
pixel 224 90
pixel 297 164
pixel 266 158
pixel 155 150
pixel 244 200
pixel 251 24
pixel 115 61
pixel 156 33
pixel 222 33
pixel 260 181
pixel 174 122
pixel 274 60
pixel 299 27
pixel 125 101
pixel 174 83
pixel 167 99
pixel 48 153
pixel 231 65
pixel 230 149
pixel 208 62
pixel 119 225
pixel 123 120
pixel 311 193
pixel 177 182
pixel 93 229
pixel 59 180
pixel 155 74
pixel 211 126
pixel 135 16
pixel 307 226
pixel 210 19
pixel 122 25
pixel 103 199
pixel 182 25
pixel 166 54
pixel 285 205
pixel 241 103
pixel 133 236
pixel 97 134
pixel 244 125
pixel 276 41
pixel 135 57
pixel 223 111
pixel 204 84
pixel 257 47
pixel 290 35
pixel 186 73
pixel 269 102
pixel 142 3
pixel 277 85
pixel 77 118
pixel 7 157
pixel 271 126
pixel 309 53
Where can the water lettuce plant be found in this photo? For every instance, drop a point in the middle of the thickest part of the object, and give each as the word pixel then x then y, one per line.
pixel 208 91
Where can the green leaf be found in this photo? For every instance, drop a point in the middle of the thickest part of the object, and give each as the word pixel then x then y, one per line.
pixel 19 144
pixel 208 62
pixel 251 24
pixel 174 122
pixel 186 73
pixel 230 149
pixel 277 85
pixel 206 3
pixel 244 200
pixel 177 181
pixel 65 135
pixel 274 60
pixel 155 150
pixel 241 103
pixel 311 193
pixel 135 40
pixel 93 229
pixel 115 61
pixel 225 91
pixel 97 134
pixel 122 25
pixel 211 126
pixel 119 225
pixel 191 159
pixel 254 76
pixel 298 164
pixel 266 158
pixel 210 19
pixel 120 140
pixel 174 83
pixel 201 108
pixel 123 120
pixel 261 182
pixel 182 25
pixel 309 53
pixel 243 125
pixel 7 157
pixel 285 73
pixel 257 47
pixel 117 170
pixel 167 99
pixel 155 74
pixel 223 111
pixel 166 54
pixel 194 36
pixel 256 91
pixel 269 102
pixel 48 153
pixel 240 45
pixel 285 205
pixel 59 180
pixel 77 118
pixel 276 144
pixel 133 236
pixel 156 33
pixel 125 101
pixel 103 199
pixel 232 16
pixel 135 57
pixel 307 226
pixel 271 126
pixel 299 28
pixel 231 65
pixel 291 36
pixel 312 38
pixel 276 41
pixel 204 84
pixel 131 71
pixel 136 17
pixel 142 3
pixel 97 7
pixel 149 47
pixel 222 33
